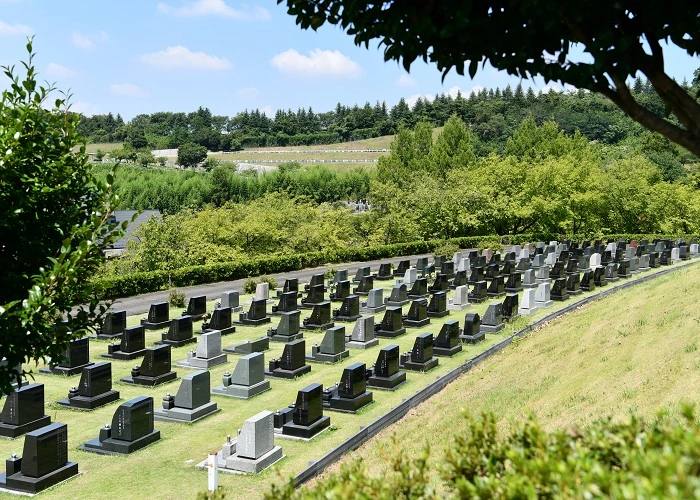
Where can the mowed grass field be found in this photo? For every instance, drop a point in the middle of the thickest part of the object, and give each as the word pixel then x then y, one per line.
pixel 633 352
pixel 636 349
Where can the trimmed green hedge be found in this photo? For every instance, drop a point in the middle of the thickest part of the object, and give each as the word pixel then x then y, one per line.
pixel 138 283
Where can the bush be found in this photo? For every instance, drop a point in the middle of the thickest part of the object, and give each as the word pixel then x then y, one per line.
pixel 447 249
pixel 176 298
pixel 269 280
pixel 250 285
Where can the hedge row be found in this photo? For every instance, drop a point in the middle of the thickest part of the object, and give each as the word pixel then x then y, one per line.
pixel 138 283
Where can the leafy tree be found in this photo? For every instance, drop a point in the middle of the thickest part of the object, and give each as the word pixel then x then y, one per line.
pixel 621 39
pixel 191 154
pixel 145 158
pixel 162 160
pixel 99 154
pixel 54 215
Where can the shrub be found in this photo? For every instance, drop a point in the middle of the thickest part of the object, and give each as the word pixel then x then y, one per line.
pixel 250 285
pixel 176 298
pixel 269 280
pixel 447 249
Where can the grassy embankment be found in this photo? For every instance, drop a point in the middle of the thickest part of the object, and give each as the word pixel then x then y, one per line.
pixel 636 349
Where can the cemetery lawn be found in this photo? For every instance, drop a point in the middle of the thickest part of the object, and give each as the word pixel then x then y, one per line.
pixel 637 349
pixel 633 352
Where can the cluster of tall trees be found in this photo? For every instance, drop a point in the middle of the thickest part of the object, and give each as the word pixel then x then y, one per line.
pixel 492 114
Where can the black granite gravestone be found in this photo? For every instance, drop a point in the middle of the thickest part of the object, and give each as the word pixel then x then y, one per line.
pixel 287 329
pixel 447 342
pixel 385 272
pixel 315 295
pixel 196 307
pixel 158 316
pixel 256 315
pixel 23 411
pixel 352 391
pixel 179 333
pixel 419 289
pixel 221 320
pixel 510 306
pixel 112 326
pixel 478 292
pixel 320 318
pixel 366 284
pixel 417 316
pixel 292 363
pixel 132 345
pixel 440 284
pixel 404 265
pixel 307 417
pixel 74 359
pixel 94 390
pixel 437 308
pixel 342 290
pixel 420 359
pixel 391 325
pixel 471 333
pixel 349 310
pixel 385 373
pixel 514 282
pixel 154 369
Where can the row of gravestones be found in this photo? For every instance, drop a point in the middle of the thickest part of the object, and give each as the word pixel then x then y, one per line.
pixel 253 449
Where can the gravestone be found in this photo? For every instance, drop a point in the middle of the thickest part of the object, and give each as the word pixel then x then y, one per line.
pixel 448 269
pixel 543 296
pixel 320 318
pixel 537 261
pixel 288 328
pixel 417 314
pixel 191 403
pixel 385 272
pixel 665 258
pixel 340 275
pixel 527 305
pixel 599 276
pixel 314 295
pixel 291 364
pixel 247 379
pixel 316 280
pixel 252 451
pixel 460 279
pixel 419 289
pixel 351 393
pixel 437 307
pixel 131 429
pixel 385 373
pixel 391 325
pixel 529 280
pixel 513 282
pixel 23 411
pixel 573 284
pixel 460 301
pixel 559 292
pixel 634 265
pixel 349 310
pixel 112 326
pixel 290 285
pixel 492 322
pixel 231 299
pixel 409 277
pixel 44 461
pixel 542 275
pixel 398 296
pixel 676 255
pixel 587 281
pixel 332 348
pixel 595 260
pixel 440 284
pixel 262 291
pixel 132 345
pixel 179 333
pixel 497 287
pixel 654 260
pixel 623 269
pixel 288 302
pixel 557 271
pixel 471 333
pixel 421 264
pixel 447 343
pixel 362 336
pixel 478 293
pixel 220 321
pixel 158 316
pixel 208 353
pixel 196 308
pixel 420 359
pixel 464 265
pixel 154 369
pixel 375 301
pixel 74 359
pixel 644 263
pixel 256 315
pixel 307 417
pixel 94 390
pixel 693 250
pixel 362 272
pixel 342 290
pixel 611 272
pixel 404 265
pixel 366 284
pixel 510 307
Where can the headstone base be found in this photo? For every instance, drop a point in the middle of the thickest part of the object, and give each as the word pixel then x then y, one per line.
pixel 477 300
pixel 544 305
pixel 286 338
pixel 176 343
pixel 288 374
pixel 387 383
pixel 306 431
pixel 239 465
pixel 250 346
pixel 124 356
pixel 383 278
pixel 372 310
pixel 320 357
pixel 560 298
pixel 389 334
pixel 447 351
pixel 495 294
pixel 492 328
pixel 356 292
pixel 255 322
pixel 24 484
pixel 347 319
pixel 513 290
pixel 62 370
pixel 195 317
pixel 588 288
pixel 118 446
pixel 350 405
pixel 530 285
pixel 440 314
pixel 242 391
pixel 575 292
pixel 202 363
pixel 473 339
pixel 179 415
pixel 86 403
pixel 356 344
pixel 457 307
pixel 14 431
pixel 313 326
pixel 539 281
pixel 150 381
pixel 420 367
pixel 106 336
pixel 224 331
pixel 523 311
pixel 676 261
pixel 398 303
pixel 155 326
pixel 308 305
pixel 410 323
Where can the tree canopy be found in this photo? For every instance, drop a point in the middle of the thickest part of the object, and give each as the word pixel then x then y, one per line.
pixel 538 38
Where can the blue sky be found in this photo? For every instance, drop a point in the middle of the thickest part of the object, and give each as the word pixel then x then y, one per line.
pixel 141 56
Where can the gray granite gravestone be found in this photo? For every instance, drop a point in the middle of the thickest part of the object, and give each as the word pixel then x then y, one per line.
pixel 208 353
pixel 460 301
pixel 543 296
pixel 527 303
pixel 192 401
pixel 231 299
pixel 362 336
pixel 332 348
pixel 288 328
pixel 250 346
pixel 247 379
pixel 374 303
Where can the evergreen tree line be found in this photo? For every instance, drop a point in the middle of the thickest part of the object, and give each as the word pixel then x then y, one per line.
pixel 493 116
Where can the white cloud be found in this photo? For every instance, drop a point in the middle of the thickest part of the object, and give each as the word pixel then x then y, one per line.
pixel 86 108
pixel 268 111
pixel 319 63
pixel 414 98
pixel 475 89
pixel 248 93
pixel 88 42
pixel 215 8
pixel 127 90
pixel 14 29
pixel 405 81
pixel 179 57
pixel 58 71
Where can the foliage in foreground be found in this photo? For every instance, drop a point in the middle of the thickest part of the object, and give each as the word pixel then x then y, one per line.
pixel 54 222
pixel 633 459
